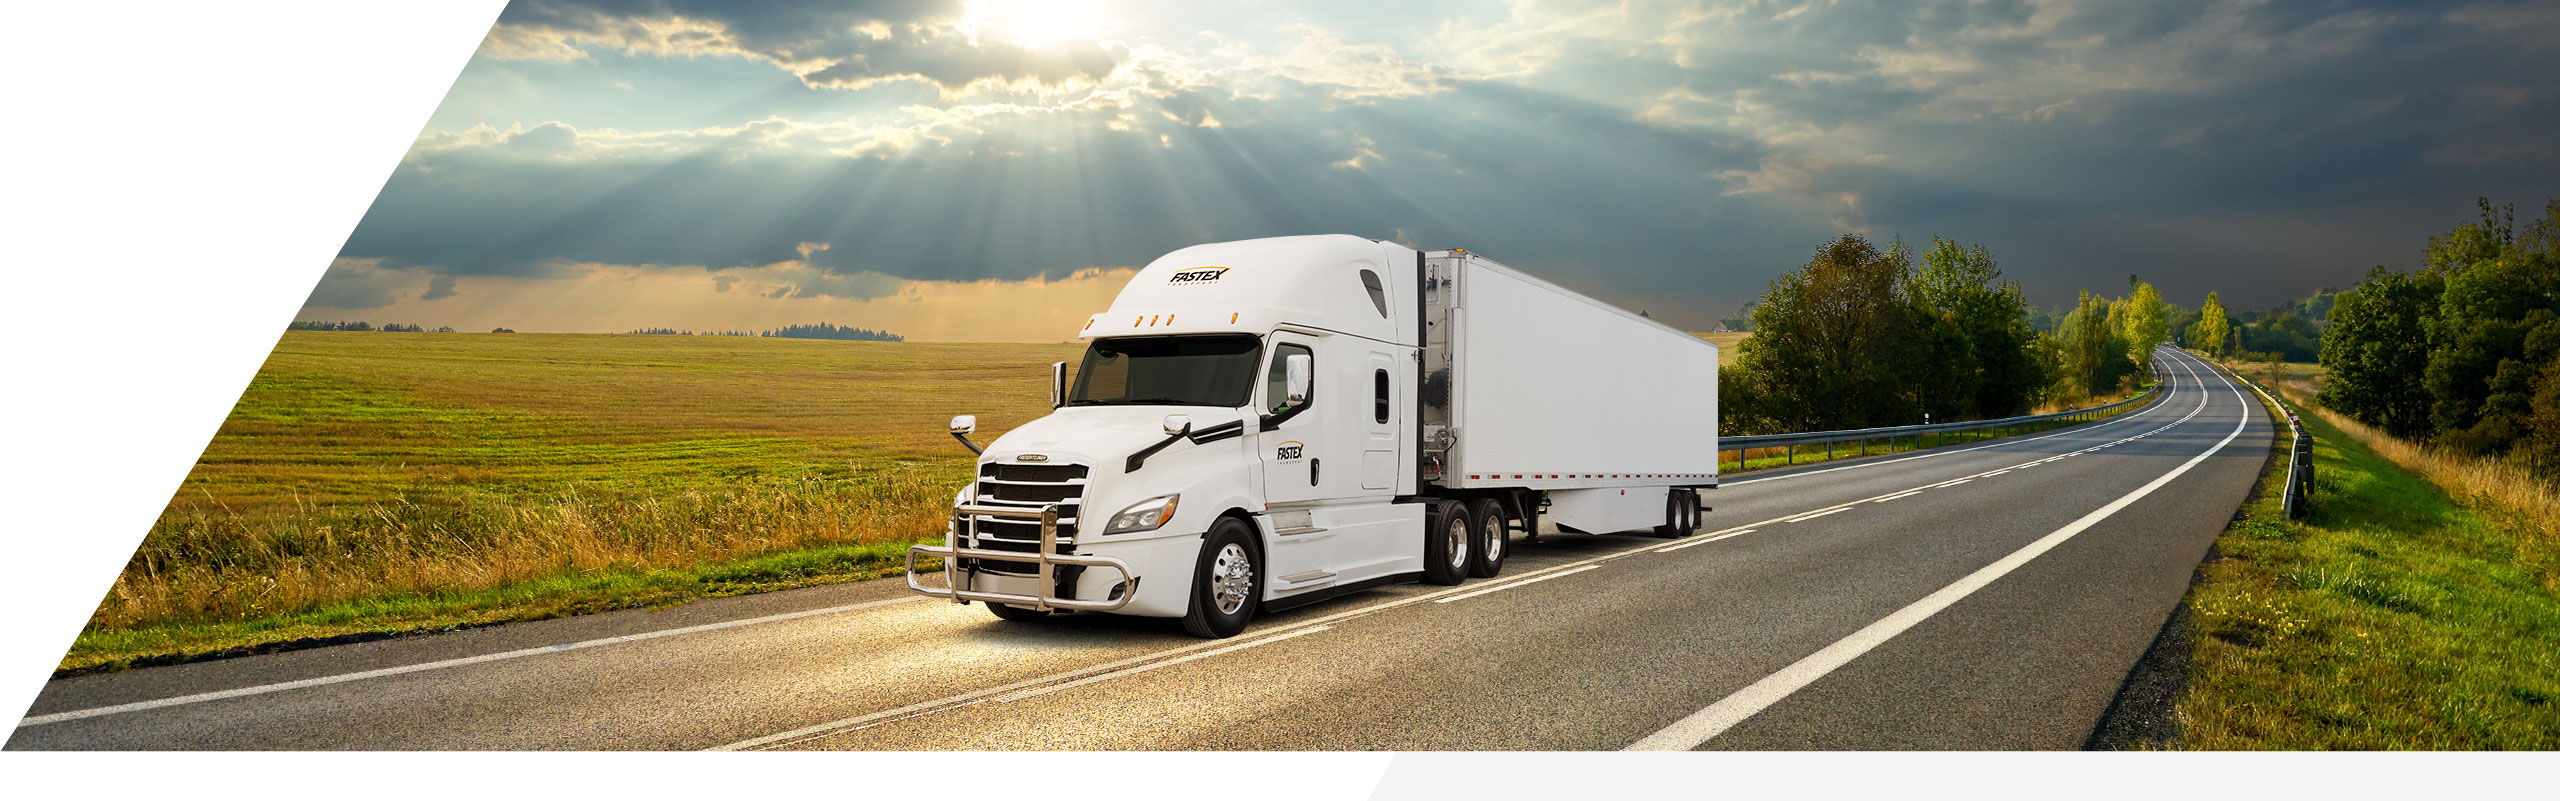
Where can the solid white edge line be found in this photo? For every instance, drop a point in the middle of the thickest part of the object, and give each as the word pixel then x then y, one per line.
pixel 1508 585
pixel 1898 496
pixel 1705 724
pixel 198 698
pixel 1802 518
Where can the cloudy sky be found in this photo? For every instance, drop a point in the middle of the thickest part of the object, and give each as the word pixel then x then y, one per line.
pixel 971 170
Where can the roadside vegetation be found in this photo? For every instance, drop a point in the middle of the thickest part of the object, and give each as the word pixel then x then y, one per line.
pixel 2462 353
pixel 378 482
pixel 1864 336
pixel 2414 607
pixel 2417 603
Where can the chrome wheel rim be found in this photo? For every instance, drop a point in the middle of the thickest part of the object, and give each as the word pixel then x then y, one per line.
pixel 1231 578
pixel 1494 540
pixel 1457 542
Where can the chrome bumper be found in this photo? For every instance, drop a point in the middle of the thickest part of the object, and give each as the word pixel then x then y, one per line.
pixel 1044 561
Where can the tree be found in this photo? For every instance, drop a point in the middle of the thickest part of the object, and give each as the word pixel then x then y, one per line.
pixel 2213 328
pixel 2095 345
pixel 2146 324
pixel 1830 339
pixel 1997 373
pixel 2376 350
pixel 2496 328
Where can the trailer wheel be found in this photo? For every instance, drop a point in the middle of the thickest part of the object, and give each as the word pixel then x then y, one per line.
pixel 1226 586
pixel 1492 541
pixel 1444 543
pixel 1016 613
pixel 1679 515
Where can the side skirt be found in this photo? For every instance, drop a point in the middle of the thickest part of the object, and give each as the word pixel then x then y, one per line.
pixel 1330 593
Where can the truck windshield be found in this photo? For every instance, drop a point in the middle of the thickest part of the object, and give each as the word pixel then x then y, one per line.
pixel 1215 370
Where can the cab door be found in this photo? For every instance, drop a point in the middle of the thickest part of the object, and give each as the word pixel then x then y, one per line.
pixel 1293 445
pixel 1295 439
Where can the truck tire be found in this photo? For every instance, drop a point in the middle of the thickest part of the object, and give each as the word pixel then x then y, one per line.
pixel 1016 613
pixel 1226 586
pixel 1679 514
pixel 1492 541
pixel 1445 533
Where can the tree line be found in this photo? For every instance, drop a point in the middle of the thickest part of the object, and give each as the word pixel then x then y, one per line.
pixel 360 325
pixel 1863 336
pixel 807 331
pixel 2462 352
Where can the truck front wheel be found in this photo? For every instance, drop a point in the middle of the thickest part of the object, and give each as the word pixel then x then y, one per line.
pixel 1226 587
pixel 1444 543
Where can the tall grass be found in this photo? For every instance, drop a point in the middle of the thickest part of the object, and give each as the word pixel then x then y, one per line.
pixel 205 563
pixel 373 482
pixel 2529 503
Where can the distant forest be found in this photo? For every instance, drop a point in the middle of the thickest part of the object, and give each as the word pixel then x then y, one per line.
pixel 360 325
pixel 810 331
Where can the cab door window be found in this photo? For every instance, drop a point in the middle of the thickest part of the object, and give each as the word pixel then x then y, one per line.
pixel 1276 388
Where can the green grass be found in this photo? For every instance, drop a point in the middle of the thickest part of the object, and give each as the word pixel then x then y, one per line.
pixel 370 482
pixel 2393 616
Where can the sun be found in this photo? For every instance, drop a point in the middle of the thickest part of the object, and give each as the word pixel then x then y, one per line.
pixel 1035 22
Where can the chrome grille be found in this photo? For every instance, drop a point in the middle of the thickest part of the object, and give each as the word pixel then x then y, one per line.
pixel 1030 486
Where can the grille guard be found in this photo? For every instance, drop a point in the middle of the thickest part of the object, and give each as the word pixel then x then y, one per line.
pixel 1045 561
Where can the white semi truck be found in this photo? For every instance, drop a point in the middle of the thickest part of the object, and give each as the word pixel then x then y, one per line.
pixel 1263 424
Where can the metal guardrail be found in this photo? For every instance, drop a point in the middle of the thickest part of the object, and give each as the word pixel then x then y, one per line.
pixel 2298 471
pixel 1890 433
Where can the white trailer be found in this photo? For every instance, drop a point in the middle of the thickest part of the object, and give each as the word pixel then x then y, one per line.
pixel 1263 424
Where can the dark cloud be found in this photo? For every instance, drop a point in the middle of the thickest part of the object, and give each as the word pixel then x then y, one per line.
pixel 438 288
pixel 359 284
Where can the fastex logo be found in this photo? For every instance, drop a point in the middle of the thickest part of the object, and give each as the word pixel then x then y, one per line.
pixel 1291 451
pixel 1032 457
pixel 1197 275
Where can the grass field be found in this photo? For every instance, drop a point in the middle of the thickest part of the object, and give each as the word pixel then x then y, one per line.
pixel 381 482
pixel 2395 615
pixel 1728 344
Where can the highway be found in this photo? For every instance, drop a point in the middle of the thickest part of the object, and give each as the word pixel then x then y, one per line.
pixel 1989 596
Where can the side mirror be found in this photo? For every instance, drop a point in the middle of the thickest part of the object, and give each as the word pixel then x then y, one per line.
pixel 1176 425
pixel 1301 375
pixel 1057 384
pixel 964 425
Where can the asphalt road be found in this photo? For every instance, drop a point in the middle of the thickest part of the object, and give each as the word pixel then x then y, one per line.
pixel 1828 607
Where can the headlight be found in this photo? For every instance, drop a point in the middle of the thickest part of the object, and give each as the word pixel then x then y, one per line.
pixel 1146 515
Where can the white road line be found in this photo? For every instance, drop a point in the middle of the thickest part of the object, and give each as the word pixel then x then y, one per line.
pixel 1035 693
pixel 77 714
pixel 1508 585
pixel 1802 518
pixel 1704 540
pixel 1889 498
pixel 2003 471
pixel 1705 724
